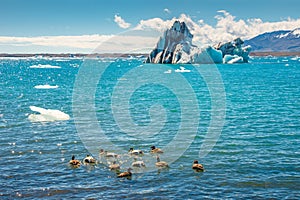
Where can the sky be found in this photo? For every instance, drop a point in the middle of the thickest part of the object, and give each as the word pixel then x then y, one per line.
pixel 85 26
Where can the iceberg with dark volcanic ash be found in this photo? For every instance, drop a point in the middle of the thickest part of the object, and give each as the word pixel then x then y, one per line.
pixel 175 46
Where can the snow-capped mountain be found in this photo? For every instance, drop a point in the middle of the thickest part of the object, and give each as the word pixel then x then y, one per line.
pixel 277 41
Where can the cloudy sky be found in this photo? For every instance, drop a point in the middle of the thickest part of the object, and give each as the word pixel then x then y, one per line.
pixel 85 26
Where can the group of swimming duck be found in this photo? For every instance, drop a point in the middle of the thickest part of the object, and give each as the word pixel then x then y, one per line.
pixel 137 163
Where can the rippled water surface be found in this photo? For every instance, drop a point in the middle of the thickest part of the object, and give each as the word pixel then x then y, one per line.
pixel 256 156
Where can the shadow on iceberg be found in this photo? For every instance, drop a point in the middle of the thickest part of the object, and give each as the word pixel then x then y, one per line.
pixel 175 47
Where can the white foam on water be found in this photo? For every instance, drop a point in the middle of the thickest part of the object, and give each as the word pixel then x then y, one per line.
pixel 47 115
pixel 40 66
pixel 46 86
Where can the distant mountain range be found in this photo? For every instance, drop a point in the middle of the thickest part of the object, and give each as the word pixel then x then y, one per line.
pixel 277 41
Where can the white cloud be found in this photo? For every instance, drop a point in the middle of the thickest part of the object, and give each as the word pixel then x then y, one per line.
pixel 83 42
pixel 145 34
pixel 167 11
pixel 156 24
pixel 227 27
pixel 127 43
pixel 121 22
pixel 76 44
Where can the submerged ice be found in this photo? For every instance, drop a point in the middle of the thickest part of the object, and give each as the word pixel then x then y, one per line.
pixel 175 46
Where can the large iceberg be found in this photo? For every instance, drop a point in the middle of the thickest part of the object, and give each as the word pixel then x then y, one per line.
pixel 175 46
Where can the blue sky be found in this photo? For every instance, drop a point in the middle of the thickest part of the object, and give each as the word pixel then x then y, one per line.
pixel 34 18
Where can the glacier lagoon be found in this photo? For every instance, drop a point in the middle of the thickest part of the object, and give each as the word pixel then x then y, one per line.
pixel 255 156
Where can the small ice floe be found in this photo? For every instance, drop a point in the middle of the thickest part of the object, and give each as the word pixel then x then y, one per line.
pixel 46 86
pixel 21 95
pixel 295 58
pixel 47 115
pixel 286 65
pixel 168 71
pixel 182 70
pixel 40 66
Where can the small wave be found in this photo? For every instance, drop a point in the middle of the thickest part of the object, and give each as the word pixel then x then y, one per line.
pixel 46 86
pixel 39 66
pixel 47 115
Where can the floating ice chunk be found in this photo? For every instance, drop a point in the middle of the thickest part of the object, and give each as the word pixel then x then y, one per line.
pixel 46 86
pixel 295 58
pixel 182 70
pixel 231 59
pixel 47 115
pixel 40 66
pixel 168 71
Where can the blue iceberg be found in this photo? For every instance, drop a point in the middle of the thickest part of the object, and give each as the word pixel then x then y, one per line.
pixel 176 47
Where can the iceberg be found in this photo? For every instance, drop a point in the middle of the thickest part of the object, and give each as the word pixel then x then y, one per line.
pixel 235 48
pixel 47 115
pixel 231 59
pixel 176 47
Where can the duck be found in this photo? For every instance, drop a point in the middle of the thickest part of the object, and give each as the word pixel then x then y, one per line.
pixel 197 166
pixel 135 152
pixel 101 152
pixel 89 159
pixel 161 163
pixel 107 154
pixel 156 150
pixel 111 155
pixel 138 163
pixel 114 166
pixel 125 174
pixel 73 162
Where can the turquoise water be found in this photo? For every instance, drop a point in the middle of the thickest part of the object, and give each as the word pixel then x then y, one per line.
pixel 256 156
